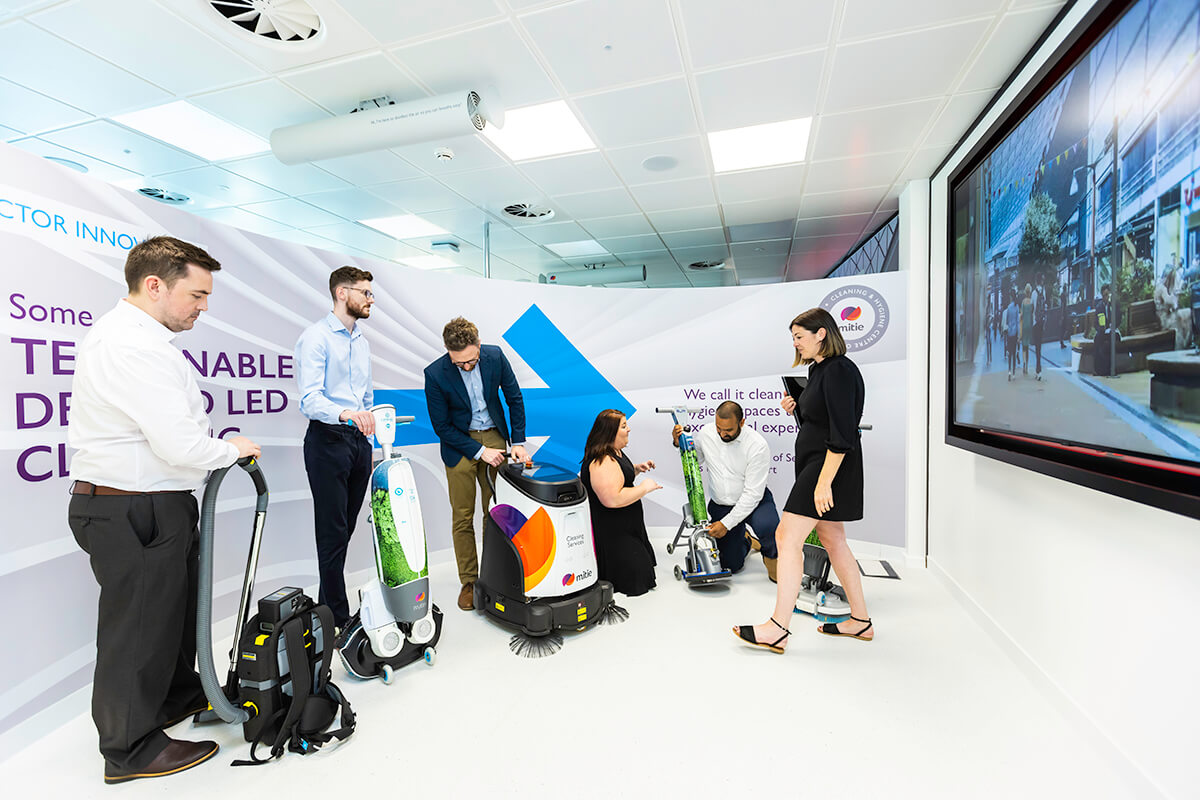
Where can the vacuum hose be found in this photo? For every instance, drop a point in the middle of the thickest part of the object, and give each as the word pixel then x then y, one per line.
pixel 204 647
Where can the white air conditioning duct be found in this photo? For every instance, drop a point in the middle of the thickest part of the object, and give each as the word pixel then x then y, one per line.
pixel 587 277
pixel 412 122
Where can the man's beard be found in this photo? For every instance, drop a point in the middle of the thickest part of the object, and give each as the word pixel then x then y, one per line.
pixel 359 312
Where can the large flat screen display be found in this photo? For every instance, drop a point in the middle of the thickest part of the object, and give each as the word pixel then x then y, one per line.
pixel 1074 257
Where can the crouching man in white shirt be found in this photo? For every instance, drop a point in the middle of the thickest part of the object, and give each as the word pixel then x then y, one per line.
pixel 737 461
pixel 138 422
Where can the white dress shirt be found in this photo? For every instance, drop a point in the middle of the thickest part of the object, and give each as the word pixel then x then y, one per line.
pixel 735 473
pixel 137 416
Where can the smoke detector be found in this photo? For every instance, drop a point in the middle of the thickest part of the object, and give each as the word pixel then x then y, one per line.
pixel 529 212
pixel 165 196
pixel 272 21
pixel 443 154
pixel 704 265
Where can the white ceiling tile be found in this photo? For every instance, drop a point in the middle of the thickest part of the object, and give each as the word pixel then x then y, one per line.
pixel 760 249
pixel 756 211
pixel 471 152
pixel 603 203
pixel 260 107
pixel 754 94
pixel 876 130
pixel 340 85
pixel 353 204
pixel 858 82
pixel 855 172
pixel 1005 48
pixel 877 221
pixel 294 213
pixel 828 204
pixel 460 224
pixel 368 169
pixel 368 239
pixel 647 113
pixel 101 170
pixel 294 180
pixel 554 232
pixel 688 153
pixel 610 42
pixel 214 186
pixel 390 21
pixel 922 165
pixel 46 64
pixel 117 145
pixel 479 59
pixel 872 17
pixel 685 219
pixel 29 112
pixel 758 29
pixel 493 188
pixel 181 60
pixel 812 244
pixel 674 194
pixel 632 244
pixel 760 266
pixel 957 117
pixel 419 195
pixel 239 218
pixel 705 237
pixel 737 187
pixel 712 278
pixel 584 172
pixel 8 134
pixel 625 225
pixel 687 255
pixel 813 265
pixel 850 224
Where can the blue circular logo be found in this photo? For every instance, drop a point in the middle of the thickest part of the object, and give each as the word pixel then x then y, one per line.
pixel 399 491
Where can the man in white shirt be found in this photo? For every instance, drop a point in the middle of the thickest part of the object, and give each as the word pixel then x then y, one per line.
pixel 736 463
pixel 138 422
pixel 333 362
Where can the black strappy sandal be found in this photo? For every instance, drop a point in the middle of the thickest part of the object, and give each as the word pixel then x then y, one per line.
pixel 746 634
pixel 831 629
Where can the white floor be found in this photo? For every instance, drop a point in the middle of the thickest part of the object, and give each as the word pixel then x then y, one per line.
pixel 665 705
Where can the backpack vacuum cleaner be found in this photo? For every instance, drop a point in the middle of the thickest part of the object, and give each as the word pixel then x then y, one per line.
pixel 278 687
pixel 396 622
pixel 538 570
pixel 702 564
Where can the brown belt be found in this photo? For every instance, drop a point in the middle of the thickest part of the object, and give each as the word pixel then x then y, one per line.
pixel 83 487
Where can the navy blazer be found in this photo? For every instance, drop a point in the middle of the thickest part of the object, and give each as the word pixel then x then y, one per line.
pixel 450 407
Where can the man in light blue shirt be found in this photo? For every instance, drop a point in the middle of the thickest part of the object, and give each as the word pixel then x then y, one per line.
pixel 334 371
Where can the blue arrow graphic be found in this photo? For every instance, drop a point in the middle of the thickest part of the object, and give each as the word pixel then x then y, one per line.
pixel 575 392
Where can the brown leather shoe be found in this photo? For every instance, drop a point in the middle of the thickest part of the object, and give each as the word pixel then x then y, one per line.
pixel 772 565
pixel 175 757
pixel 466 598
pixel 754 544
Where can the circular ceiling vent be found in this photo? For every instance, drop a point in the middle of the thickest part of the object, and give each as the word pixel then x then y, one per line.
pixel 164 196
pixel 529 212
pixel 701 265
pixel 273 20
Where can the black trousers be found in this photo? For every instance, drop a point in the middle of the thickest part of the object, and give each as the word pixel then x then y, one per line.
pixel 338 461
pixel 144 552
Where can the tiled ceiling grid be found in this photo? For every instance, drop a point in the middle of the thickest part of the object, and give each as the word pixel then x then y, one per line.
pixel 890 85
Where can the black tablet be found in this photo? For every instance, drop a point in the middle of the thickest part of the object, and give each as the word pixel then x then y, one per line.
pixel 794 386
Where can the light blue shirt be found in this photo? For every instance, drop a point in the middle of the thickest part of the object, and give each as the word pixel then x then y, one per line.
pixel 481 420
pixel 1011 317
pixel 333 368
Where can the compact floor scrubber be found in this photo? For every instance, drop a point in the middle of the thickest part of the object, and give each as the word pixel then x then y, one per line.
pixel 396 623
pixel 538 570
pixel 702 565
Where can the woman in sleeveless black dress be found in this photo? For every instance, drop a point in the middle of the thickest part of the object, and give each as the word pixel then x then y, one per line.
pixel 829 481
pixel 624 557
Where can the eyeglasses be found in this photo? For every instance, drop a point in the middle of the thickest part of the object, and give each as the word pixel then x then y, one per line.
pixel 465 364
pixel 367 293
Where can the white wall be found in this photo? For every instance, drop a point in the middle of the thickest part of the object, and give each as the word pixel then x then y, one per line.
pixel 1092 594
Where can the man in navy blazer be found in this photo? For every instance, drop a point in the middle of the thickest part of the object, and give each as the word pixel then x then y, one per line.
pixel 462 390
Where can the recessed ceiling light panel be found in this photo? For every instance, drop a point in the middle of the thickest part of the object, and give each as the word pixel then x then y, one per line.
pixel 760 145
pixel 549 129
pixel 189 128
pixel 404 226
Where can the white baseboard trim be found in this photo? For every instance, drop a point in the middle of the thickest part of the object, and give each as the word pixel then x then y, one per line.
pixel 1141 784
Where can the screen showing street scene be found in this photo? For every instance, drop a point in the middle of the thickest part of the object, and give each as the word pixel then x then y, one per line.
pixel 1076 252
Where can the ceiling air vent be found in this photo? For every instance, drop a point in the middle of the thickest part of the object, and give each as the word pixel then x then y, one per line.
pixel 702 265
pixel 164 196
pixel 277 20
pixel 529 212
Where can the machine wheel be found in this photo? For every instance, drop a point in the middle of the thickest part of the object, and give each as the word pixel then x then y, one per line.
pixel 820 598
pixel 387 673
pixel 430 656
pixel 670 548
pixel 678 573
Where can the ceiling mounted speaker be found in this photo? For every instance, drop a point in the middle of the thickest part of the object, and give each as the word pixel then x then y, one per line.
pixel 413 122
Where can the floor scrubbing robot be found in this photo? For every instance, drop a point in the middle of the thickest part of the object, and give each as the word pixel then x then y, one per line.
pixel 538 570
pixel 702 565
pixel 396 623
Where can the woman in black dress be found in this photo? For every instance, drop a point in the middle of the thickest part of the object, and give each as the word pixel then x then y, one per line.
pixel 829 481
pixel 623 553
